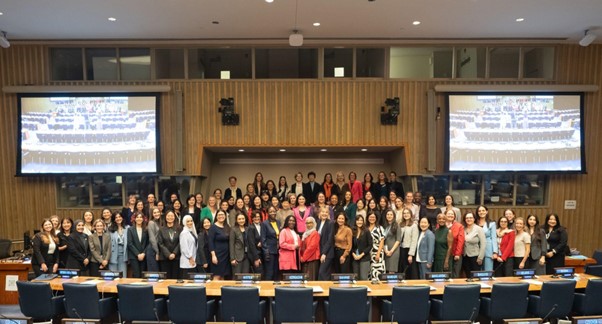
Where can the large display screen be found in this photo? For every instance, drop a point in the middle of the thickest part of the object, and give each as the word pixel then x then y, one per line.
pixel 515 132
pixel 97 133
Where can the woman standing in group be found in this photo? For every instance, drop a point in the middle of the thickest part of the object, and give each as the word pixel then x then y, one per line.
pixel 361 248
pixel 270 230
pixel 301 213
pixel 319 204
pixel 355 187
pixel 505 238
pixel 475 245
pixel 425 249
pixel 368 185
pixel 63 235
pixel 327 186
pixel 100 248
pixel 360 209
pixel 79 249
pixel 489 229
pixel 88 218
pixel 45 257
pixel 457 231
pixel 137 245
pixel 203 254
pixel 177 210
pixel 340 186
pixel 432 210
pixel 210 210
pixel 56 224
pixel 239 208
pixel 139 208
pixel 106 215
pixel 392 241
pixel 377 257
pixel 443 244
pixel 129 210
pixel 283 189
pixel 254 251
pixel 522 244
pixel 449 204
pixel 310 250
pixel 192 209
pixel 258 184
pixel 539 246
pixel 152 252
pixel 409 234
pixel 349 207
pixel 343 241
pixel 510 215
pixel 251 190
pixel 257 205
pixel 270 187
pixel 557 238
pixel 188 247
pixel 168 241
pixel 289 243
pixel 219 247
pixel 119 251
pixel 238 245
pixel 199 204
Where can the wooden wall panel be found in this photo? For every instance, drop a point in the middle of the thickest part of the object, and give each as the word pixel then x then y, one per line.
pixel 330 112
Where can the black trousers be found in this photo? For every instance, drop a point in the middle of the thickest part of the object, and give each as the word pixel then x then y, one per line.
pixel 339 267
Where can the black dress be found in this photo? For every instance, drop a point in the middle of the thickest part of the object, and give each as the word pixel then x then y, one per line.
pixel 219 242
pixel 557 242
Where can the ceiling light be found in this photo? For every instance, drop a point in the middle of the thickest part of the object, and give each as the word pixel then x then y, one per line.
pixel 416 23
pixel 520 19
pixel 1 13
pixel 316 24
pixel 588 38
pixel 269 1
pixel 112 19
pixel 364 150
pixel 241 150
pixel 282 150
pixel 4 43
pixel 323 150
pixel 295 39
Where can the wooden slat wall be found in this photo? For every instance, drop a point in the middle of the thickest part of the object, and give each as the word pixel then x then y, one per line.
pixel 302 113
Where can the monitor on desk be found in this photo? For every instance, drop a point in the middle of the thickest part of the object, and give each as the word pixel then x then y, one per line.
pixel 392 277
pixel 438 276
pixel 153 276
pixel 68 273
pixel 564 272
pixel 248 278
pixel 110 275
pixel 597 319
pixel 198 277
pixel 294 278
pixel 343 278
pixel 525 273
pixel 523 321
pixel 481 275
pixel 15 319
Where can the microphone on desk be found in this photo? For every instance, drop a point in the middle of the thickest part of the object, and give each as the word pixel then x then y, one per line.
pixel 313 319
pixel 474 312
pixel 550 312
pixel 233 321
pixel 156 315
pixel 74 310
pixel 8 319
pixel 392 316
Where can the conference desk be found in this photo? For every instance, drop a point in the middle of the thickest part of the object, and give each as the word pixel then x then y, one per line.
pixel 267 288
pixel 10 272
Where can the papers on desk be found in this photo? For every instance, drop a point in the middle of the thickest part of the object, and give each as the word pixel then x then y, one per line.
pixel 316 289
pixel 533 282
pixel 139 283
pixel 577 257
pixel 484 285
pixel 369 290
pixel 91 282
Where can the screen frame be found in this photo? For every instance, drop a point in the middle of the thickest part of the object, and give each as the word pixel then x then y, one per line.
pixel 20 96
pixel 446 163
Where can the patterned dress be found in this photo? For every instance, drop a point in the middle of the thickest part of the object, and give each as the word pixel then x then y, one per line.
pixel 377 268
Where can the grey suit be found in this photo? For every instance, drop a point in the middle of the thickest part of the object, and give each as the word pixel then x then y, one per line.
pixel 426 252
pixel 100 252
pixel 539 247
pixel 238 249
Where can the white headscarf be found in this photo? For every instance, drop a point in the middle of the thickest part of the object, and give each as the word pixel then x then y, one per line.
pixel 309 231
pixel 186 228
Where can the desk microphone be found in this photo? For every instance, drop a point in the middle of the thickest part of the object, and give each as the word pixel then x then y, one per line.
pixel 392 316
pixel 8 319
pixel 550 312
pixel 313 319
pixel 233 321
pixel 74 310
pixel 156 315
pixel 474 312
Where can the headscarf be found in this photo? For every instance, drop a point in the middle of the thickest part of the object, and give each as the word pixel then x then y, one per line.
pixel 309 231
pixel 186 228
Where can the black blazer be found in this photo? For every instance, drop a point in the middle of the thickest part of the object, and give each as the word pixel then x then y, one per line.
pixel 269 241
pixel 326 238
pixel 363 244
pixel 340 191
pixel 40 252
pixel 79 249
pixel 254 250
pixel 167 245
pixel 136 246
pixel 311 195
pixel 64 254
pixel 202 251
pixel 228 193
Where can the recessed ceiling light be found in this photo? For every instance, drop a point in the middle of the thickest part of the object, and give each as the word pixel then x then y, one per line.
pixel 282 150
pixel 323 150
pixel 416 23
pixel 269 1
pixel 112 19
pixel 1 13
pixel 241 150
pixel 364 150
pixel 520 19
pixel 316 24
pixel 215 22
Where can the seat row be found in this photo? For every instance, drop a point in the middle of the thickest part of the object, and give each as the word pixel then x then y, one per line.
pixel 408 304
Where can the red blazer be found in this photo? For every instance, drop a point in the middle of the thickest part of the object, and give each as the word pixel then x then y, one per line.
pixel 357 191
pixel 458 233
pixel 310 248
pixel 287 252
pixel 507 246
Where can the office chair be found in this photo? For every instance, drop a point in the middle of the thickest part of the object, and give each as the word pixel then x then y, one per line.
pixel 555 299
pixel 460 302
pixel 36 301
pixel 347 305
pixel 242 304
pixel 589 303
pixel 82 301
pixel 184 305
pixel 292 304
pixel 508 300
pixel 409 304
pixel 139 303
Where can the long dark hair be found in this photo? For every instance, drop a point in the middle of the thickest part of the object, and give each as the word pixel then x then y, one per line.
pixel 364 229
pixel 393 225
pixel 536 228
pixel 336 224
pixel 557 227
pixel 113 227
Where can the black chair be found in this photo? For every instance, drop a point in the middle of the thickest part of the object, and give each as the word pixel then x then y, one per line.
pixel 294 304
pixel 555 299
pixel 138 303
pixel 5 245
pixel 347 305
pixel 82 301
pixel 597 256
pixel 594 270
pixel 508 300
pixel 409 304
pixel 589 303
pixel 184 305
pixel 36 301
pixel 460 302
pixel 242 304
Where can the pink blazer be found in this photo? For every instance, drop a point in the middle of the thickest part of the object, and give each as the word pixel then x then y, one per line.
pixel 287 253
pixel 357 191
pixel 301 221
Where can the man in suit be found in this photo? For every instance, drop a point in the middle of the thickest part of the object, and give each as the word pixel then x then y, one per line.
pixel 311 188
pixel 233 190
pixel 325 228
pixel 395 185
pixel 270 230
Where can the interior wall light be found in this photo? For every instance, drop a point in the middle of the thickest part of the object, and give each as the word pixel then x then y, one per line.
pixel 587 39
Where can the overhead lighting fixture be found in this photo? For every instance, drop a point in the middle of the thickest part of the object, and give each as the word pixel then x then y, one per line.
pixel 587 39
pixel 269 1
pixel 323 150
pixel 112 19
pixel 295 39
pixel 364 150
pixel 316 24
pixel 520 19
pixel 4 43
pixel 282 150
pixel 241 150
pixel 416 23
pixel 1 13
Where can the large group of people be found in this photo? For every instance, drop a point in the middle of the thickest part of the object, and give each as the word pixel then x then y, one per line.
pixel 338 226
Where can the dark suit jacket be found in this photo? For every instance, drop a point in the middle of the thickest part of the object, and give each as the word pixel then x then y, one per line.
pixel 79 249
pixel 269 241
pixel 40 253
pixel 340 191
pixel 311 195
pixel 166 245
pixel 238 244
pixel 136 246
pixel 326 238
pixel 363 244
pixel 539 246
pixel 99 255
pixel 228 193
pixel 202 252
pixel 254 251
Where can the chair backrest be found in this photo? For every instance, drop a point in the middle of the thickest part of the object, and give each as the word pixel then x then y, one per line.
pixel 187 304
pixel 136 302
pixel 597 256
pixel 293 305
pixel 5 245
pixel 81 300
pixel 460 302
pixel 348 305
pixel 35 299
pixel 410 304
pixel 240 304
pixel 557 295
pixel 509 300
pixel 594 270
pixel 593 297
